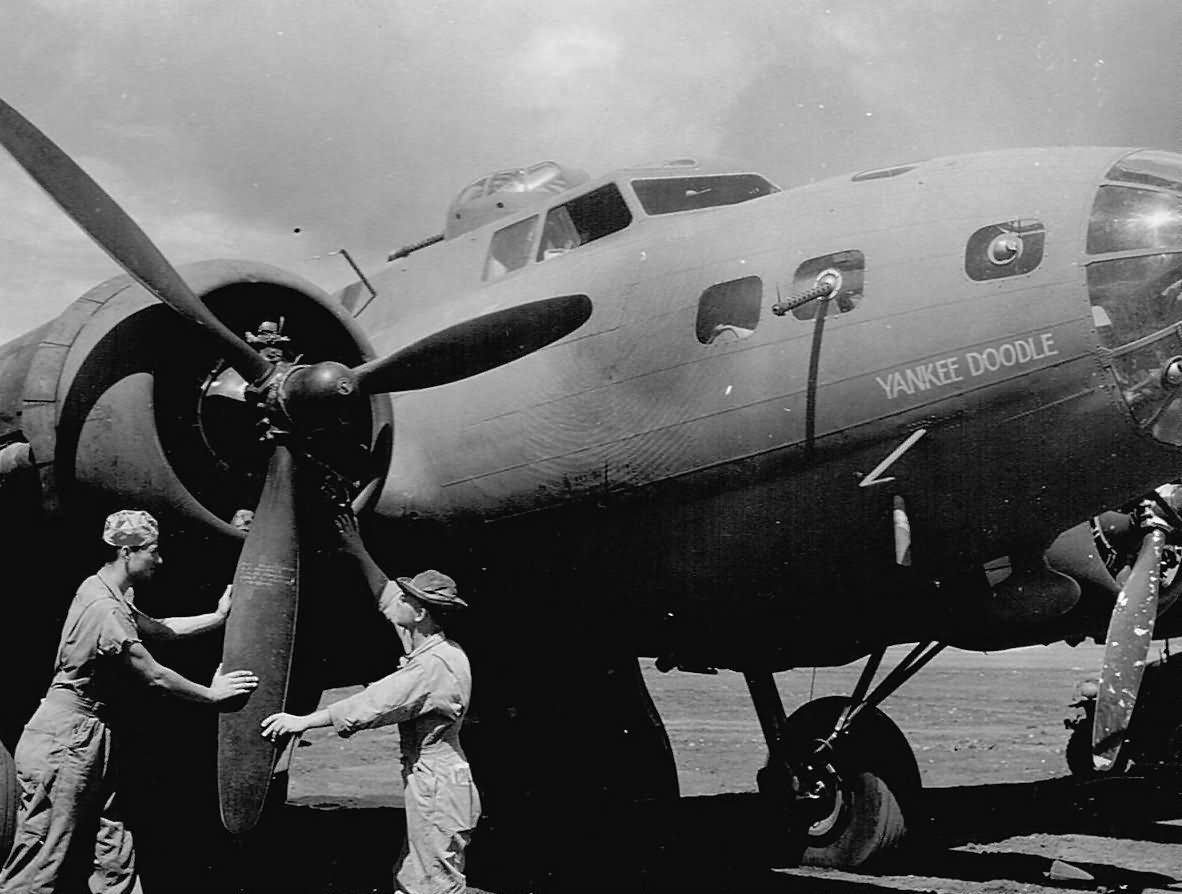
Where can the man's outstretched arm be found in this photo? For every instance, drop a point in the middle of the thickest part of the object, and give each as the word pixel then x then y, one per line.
pixel 350 536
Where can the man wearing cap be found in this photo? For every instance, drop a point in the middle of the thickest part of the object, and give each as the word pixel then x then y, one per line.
pixel 270 342
pixel 68 754
pixel 427 697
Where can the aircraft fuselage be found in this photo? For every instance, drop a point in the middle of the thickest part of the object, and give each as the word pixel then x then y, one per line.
pixel 747 468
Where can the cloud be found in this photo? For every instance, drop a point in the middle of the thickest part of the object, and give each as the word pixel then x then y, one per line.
pixel 50 262
pixel 223 127
pixel 47 262
pixel 556 62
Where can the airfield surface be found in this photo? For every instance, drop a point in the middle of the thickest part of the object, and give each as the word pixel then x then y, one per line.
pixel 988 735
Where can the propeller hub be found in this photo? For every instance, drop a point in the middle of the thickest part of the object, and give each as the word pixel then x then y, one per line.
pixel 313 395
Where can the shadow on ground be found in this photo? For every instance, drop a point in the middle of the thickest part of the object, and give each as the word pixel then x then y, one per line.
pixel 717 843
pixel 1114 808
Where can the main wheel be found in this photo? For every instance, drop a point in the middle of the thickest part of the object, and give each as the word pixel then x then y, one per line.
pixel 862 793
pixel 9 795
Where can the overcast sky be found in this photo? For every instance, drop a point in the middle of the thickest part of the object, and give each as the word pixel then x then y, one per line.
pixel 222 126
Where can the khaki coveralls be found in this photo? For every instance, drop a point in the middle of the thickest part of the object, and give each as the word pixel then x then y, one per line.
pixel 427 697
pixel 67 756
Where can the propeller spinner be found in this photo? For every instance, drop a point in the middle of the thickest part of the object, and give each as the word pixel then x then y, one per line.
pixel 297 400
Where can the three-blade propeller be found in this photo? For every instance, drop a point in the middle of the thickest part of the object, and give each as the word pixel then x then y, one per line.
pixel 85 202
pixel 266 605
pixel 260 632
pixel 1130 633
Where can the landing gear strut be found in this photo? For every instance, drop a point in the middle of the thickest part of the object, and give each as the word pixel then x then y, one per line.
pixel 839 771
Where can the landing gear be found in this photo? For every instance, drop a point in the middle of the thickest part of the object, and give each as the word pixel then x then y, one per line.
pixel 840 774
pixel 854 793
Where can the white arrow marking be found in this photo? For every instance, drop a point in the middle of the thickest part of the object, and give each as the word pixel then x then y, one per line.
pixel 873 478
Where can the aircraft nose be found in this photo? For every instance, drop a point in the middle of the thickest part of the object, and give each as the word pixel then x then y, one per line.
pixel 1134 277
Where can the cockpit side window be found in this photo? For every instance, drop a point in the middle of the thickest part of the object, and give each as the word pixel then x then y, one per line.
pixel 510 248
pixel 558 235
pixel 589 217
pixel 666 195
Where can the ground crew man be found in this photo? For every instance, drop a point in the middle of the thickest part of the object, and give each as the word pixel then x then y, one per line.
pixel 69 817
pixel 242 521
pixel 427 697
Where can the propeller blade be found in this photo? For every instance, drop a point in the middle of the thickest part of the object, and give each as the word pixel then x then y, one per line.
pixel 260 637
pixel 229 384
pixel 475 345
pixel 116 233
pixel 1130 632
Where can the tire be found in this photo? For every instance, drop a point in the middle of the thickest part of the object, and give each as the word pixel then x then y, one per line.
pixel 868 823
pixel 9 796
pixel 878 786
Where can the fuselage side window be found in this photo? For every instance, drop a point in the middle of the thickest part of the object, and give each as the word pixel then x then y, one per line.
pixel 1012 248
pixel 729 311
pixel 589 217
pixel 510 248
pixel 849 266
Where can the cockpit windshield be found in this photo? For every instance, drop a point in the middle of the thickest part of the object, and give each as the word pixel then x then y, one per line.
pixel 666 195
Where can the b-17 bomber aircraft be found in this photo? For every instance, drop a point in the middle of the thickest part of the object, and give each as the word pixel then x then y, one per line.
pixel 674 412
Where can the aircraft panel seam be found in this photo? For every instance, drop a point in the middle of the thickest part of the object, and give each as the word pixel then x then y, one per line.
pixel 914 409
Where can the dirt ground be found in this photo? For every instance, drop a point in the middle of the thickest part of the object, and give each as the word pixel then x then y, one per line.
pixel 988 735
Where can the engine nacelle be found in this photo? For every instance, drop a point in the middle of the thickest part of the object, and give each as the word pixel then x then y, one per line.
pixel 116 404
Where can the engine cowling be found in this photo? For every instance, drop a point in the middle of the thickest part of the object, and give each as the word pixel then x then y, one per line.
pixel 117 408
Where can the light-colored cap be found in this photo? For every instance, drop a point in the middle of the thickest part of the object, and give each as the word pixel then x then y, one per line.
pixel 130 527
